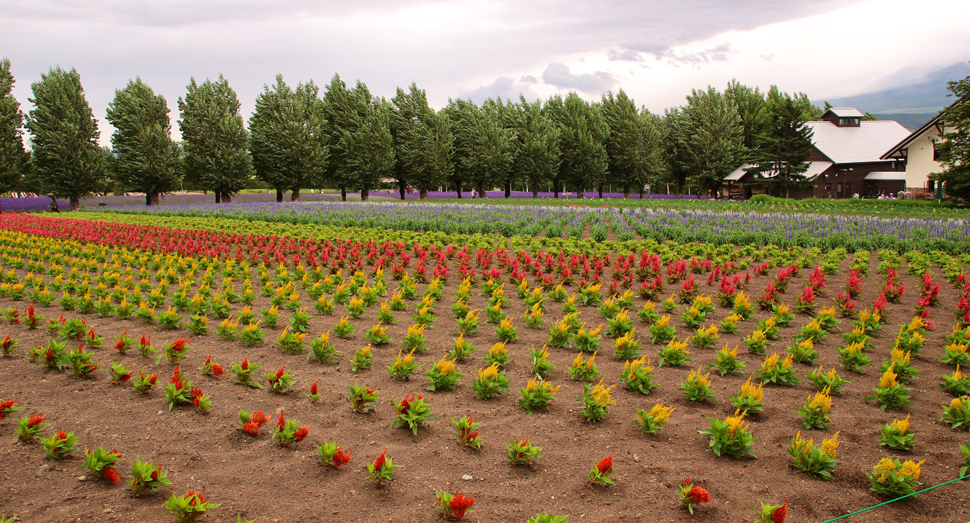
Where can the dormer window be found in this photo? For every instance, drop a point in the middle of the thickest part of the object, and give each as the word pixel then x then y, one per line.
pixel 848 122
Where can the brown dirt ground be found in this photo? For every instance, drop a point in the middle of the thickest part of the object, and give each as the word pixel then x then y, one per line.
pixel 257 478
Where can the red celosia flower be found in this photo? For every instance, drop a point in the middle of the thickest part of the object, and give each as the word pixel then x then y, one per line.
pixel 405 404
pixel 153 378
pixel 779 515
pixel 313 388
pixel 91 334
pixel 120 345
pixel 459 505
pixel 179 344
pixel 379 462
pixel 605 466
pixel 699 495
pixel 259 417
pixel 252 427
pixel 301 433
pixel 61 435
pixel 6 342
pixel 217 370
pixel 145 341
pixel 245 364
pixel 36 420
pixel 111 475
pixel 341 458
pixel 279 373
pixel 7 404
pixel 281 421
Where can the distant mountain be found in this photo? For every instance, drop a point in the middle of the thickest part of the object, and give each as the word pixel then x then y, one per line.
pixel 924 96
pixel 911 121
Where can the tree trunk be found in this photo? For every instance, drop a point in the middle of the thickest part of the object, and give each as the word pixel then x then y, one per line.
pixel 459 191
pixel 580 194
pixel 400 185
pixel 295 196
pixel 151 199
pixel 424 194
pixel 218 197
pixel 343 194
pixel 364 194
pixel 279 196
pixel 555 188
pixel 535 193
pixel 626 192
pixel 226 197
pixel 481 193
pixel 508 190
pixel 601 191
pixel 75 203
pixel 641 192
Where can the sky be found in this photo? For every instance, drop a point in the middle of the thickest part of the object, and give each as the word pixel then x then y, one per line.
pixel 655 50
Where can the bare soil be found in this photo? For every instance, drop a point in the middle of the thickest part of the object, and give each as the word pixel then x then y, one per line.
pixel 258 479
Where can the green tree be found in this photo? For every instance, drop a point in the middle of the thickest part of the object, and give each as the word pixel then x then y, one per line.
pixel 539 156
pixel 506 115
pixel 705 140
pixel 751 108
pixel 954 151
pixel 67 159
pixel 633 146
pixel 784 148
pixel 423 143
pixel 582 140
pixel 146 157
pixel 214 139
pixel 483 146
pixel 287 138
pixel 13 157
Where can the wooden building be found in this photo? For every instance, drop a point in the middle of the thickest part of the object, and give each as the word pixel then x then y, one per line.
pixel 846 159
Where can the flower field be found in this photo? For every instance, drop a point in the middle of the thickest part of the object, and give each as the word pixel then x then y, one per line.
pixel 826 231
pixel 331 363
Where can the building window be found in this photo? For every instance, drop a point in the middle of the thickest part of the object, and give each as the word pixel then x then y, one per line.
pixel 936 152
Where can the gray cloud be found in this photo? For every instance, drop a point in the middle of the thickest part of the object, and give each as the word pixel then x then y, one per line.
pixel 528 79
pixel 626 55
pixel 559 75
pixel 504 88
pixel 662 51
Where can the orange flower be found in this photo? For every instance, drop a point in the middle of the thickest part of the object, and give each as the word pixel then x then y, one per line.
pixel 302 433
pixel 379 462
pixel 61 435
pixel 341 458
pixel 245 364
pixel 605 466
pixel 699 495
pixel 779 515
pixel 460 504
pixel 111 475
pixel 35 420
pixel 179 344
pixel 281 421
pixel 313 388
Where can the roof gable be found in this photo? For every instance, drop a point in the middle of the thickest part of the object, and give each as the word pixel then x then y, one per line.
pixel 842 112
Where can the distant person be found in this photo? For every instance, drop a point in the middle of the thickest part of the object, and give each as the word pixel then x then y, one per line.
pixel 54 207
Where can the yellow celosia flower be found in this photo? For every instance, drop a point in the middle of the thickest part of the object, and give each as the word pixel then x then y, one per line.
pixel 901 424
pixel 589 362
pixel 416 330
pixel 957 403
pixel 770 362
pixel 741 301
pixel 649 306
pixel 732 319
pixel 750 391
pixel 365 351
pixel 505 323
pixel 888 379
pixel 488 373
pixel 660 413
pixel 830 445
pixel 663 321
pixel 821 401
pixel 578 361
pixel 679 346
pixel 911 469
pixel 736 422
pixel 498 349
pixel 787 362
pixel 601 395
pixel 782 310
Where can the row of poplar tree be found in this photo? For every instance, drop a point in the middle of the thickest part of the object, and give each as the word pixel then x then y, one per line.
pixel 350 139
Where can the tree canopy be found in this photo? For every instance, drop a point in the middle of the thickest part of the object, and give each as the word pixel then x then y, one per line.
pixel 13 157
pixel 215 139
pixel 146 157
pixel 67 159
pixel 954 151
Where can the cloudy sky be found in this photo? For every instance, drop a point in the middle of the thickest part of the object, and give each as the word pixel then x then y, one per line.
pixel 655 50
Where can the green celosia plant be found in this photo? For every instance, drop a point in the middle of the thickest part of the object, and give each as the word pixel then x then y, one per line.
pixel 322 350
pixel 587 340
pixel 362 359
pixel 101 462
pixel 189 507
pixel 815 413
pixel 705 338
pixel 288 432
pixel 505 332
pixel 343 328
pixel 466 430
pixel 583 369
pixel 957 413
pixel 730 436
pixel 412 413
pixel 279 381
pixel 830 379
pixel 803 351
pixel 777 371
pixel 443 375
pixel 244 373
pixel 955 383
pixel 490 382
pixel 361 398
pixel 331 455
pixel 726 361
pixel 536 395
pixel 146 477
pixel 750 398
pixel 890 394
pixel 815 460
pixel 637 376
pixel 852 357
pixel 377 335
pixel 290 342
pixel 897 435
pixel 697 387
pixel 674 354
pixel 652 421
pixel 462 349
pixel 522 452
pixel 541 366
pixel 403 366
pixel 498 354
pixel 60 445
pixel 382 469
pixel 891 478
pixel 596 401
pixel 757 342
pixel 662 331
